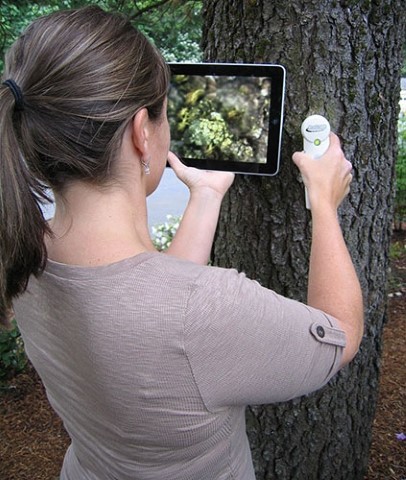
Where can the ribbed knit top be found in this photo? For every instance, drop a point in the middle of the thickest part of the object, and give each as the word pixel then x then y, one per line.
pixel 151 361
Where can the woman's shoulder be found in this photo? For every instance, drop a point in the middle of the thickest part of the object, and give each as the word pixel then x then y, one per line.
pixel 199 276
pixel 152 267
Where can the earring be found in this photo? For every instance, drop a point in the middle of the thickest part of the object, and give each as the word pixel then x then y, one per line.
pixel 145 164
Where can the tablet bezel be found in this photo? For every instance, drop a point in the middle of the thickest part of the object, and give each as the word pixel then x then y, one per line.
pixel 277 75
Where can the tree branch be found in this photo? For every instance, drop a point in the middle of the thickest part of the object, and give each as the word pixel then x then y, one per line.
pixel 141 11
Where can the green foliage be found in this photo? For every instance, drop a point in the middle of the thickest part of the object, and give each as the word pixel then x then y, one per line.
pixel 162 235
pixel 397 250
pixel 14 17
pixel 173 25
pixel 401 161
pixel 12 355
pixel 175 28
pixel 400 200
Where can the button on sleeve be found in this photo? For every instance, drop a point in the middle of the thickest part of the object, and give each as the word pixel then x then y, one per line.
pixel 330 335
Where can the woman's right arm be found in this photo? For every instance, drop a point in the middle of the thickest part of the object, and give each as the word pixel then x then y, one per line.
pixel 333 284
pixel 194 239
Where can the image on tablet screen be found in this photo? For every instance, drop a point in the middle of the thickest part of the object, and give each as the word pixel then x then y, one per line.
pixel 220 117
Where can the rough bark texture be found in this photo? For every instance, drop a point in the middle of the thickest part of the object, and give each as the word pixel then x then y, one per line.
pixel 343 61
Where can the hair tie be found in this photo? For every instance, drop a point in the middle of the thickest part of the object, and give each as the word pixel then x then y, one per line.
pixel 17 93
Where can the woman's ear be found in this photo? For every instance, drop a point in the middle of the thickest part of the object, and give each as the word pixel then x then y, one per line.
pixel 140 132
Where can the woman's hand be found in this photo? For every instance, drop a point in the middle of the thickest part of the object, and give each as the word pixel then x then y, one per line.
pixel 194 238
pixel 195 179
pixel 328 178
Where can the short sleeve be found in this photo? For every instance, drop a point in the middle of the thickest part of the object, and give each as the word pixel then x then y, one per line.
pixel 247 345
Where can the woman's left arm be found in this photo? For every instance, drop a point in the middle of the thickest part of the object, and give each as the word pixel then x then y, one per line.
pixel 194 237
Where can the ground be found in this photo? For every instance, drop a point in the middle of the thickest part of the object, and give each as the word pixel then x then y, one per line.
pixel 33 441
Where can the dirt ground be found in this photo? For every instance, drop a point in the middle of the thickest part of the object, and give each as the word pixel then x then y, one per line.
pixel 33 441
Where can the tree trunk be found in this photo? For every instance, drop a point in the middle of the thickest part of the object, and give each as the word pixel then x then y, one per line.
pixel 343 61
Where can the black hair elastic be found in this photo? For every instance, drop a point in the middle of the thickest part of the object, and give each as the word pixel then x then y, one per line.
pixel 17 93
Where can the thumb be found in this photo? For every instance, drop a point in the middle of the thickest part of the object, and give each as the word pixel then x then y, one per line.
pixel 299 158
pixel 174 161
pixel 178 167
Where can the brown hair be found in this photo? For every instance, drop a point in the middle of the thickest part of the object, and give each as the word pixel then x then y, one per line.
pixel 83 75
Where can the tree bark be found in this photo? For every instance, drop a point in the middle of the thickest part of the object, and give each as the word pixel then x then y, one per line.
pixel 343 61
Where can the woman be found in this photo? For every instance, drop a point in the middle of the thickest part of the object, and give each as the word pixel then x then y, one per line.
pixel 148 358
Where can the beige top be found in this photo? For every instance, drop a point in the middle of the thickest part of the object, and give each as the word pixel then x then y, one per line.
pixel 151 361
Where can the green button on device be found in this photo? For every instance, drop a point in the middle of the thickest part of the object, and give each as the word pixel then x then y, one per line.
pixel 317 142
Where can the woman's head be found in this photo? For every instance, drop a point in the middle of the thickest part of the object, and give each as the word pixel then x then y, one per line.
pixel 83 75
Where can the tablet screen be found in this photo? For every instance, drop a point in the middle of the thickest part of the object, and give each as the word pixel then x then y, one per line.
pixel 227 116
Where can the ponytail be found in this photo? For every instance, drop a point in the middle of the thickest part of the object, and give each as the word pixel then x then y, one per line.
pixel 22 225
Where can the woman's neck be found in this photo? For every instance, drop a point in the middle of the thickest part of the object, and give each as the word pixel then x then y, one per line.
pixel 94 226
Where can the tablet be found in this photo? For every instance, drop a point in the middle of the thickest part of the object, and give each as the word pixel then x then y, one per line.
pixel 227 116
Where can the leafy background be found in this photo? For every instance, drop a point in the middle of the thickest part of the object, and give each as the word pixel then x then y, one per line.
pixel 173 25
